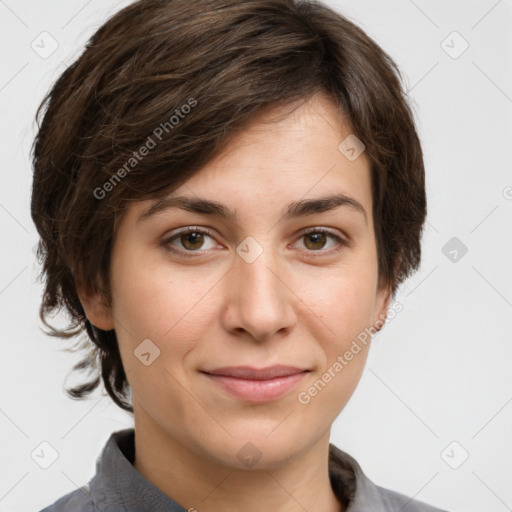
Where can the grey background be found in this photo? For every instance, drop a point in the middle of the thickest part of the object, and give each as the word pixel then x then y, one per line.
pixel 438 373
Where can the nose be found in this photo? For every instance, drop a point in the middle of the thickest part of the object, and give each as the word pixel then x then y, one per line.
pixel 259 301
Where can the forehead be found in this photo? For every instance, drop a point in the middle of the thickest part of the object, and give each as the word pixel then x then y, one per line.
pixel 286 154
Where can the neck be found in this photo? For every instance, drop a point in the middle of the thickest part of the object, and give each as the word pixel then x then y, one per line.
pixel 203 484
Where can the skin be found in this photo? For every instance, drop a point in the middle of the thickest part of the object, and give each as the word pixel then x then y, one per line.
pixel 300 303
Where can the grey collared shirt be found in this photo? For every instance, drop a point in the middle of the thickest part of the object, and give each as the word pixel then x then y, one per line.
pixel 118 487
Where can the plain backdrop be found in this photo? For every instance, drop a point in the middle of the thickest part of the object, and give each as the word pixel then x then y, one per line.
pixel 432 415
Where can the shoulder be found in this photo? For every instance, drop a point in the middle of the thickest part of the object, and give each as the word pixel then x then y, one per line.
pixel 353 486
pixel 75 501
pixel 395 501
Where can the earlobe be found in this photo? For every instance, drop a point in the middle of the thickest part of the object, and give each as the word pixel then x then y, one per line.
pixel 96 309
pixel 381 311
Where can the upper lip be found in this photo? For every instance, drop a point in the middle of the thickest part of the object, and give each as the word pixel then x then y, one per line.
pixel 249 373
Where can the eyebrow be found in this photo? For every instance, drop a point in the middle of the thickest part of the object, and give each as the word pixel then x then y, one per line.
pixel 294 210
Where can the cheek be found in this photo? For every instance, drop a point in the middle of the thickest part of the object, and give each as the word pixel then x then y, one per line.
pixel 159 303
pixel 143 295
pixel 163 307
pixel 344 301
pixel 345 308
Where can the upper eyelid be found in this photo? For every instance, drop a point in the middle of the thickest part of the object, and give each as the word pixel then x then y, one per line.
pixel 311 229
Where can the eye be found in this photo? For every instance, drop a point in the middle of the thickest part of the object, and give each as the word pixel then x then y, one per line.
pixel 190 242
pixel 191 239
pixel 315 240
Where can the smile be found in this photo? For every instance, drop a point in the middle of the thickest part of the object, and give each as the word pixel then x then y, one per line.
pixel 257 389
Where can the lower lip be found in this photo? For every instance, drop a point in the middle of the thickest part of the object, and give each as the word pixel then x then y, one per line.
pixel 257 390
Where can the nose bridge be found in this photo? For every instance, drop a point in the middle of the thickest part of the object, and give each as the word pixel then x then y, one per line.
pixel 260 301
pixel 256 267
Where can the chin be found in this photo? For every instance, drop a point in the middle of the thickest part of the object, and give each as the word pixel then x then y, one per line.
pixel 259 447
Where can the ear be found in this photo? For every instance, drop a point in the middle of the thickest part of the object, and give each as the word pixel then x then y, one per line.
pixel 383 302
pixel 96 309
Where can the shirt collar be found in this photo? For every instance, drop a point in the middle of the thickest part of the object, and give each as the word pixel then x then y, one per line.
pixel 118 484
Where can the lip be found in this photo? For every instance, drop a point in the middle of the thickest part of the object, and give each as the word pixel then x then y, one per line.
pixel 257 385
pixel 251 373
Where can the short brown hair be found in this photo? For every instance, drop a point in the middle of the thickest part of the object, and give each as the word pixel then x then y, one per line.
pixel 195 73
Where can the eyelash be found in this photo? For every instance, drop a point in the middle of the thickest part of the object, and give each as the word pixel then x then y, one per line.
pixel 341 243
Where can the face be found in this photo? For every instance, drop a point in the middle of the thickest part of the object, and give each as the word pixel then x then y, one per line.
pixel 266 285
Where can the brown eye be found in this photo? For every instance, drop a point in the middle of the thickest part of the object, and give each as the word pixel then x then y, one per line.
pixel 192 241
pixel 315 241
pixel 189 241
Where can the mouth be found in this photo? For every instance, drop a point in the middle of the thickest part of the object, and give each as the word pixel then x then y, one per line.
pixel 256 385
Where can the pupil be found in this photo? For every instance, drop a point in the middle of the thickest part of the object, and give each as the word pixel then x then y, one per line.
pixel 316 237
pixel 194 239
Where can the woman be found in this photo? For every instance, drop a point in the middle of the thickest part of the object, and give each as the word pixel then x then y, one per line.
pixel 228 196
